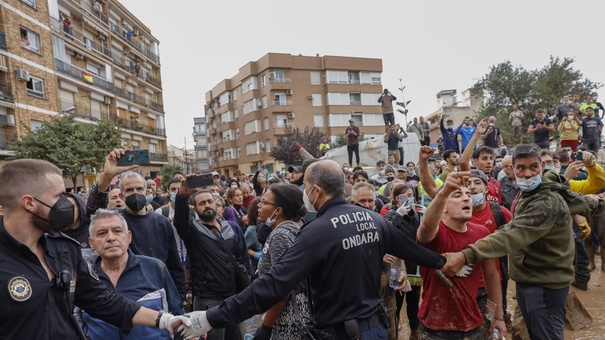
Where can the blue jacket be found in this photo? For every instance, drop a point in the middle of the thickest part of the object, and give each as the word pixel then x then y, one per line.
pixel 467 133
pixel 450 138
pixel 142 276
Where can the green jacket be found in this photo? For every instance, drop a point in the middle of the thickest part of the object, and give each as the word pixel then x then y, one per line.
pixel 539 239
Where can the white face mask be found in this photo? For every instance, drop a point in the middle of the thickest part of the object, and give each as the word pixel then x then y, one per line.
pixel 308 205
pixel 381 172
pixel 529 184
pixel 477 199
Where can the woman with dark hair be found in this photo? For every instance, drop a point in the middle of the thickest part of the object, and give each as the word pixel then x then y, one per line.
pixel 255 249
pixel 233 183
pixel 403 216
pixel 234 211
pixel 282 209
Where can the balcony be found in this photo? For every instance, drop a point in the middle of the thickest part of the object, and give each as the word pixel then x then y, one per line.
pixel 138 99
pixel 135 126
pixel 6 92
pixel 5 138
pixel 84 76
pixel 355 102
pixel 76 36
pixel 88 8
pixel 82 111
pixel 3 41
pixel 282 103
pixel 279 80
pixel 135 42
pixel 158 157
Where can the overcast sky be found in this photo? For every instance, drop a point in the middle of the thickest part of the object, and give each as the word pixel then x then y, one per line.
pixel 431 45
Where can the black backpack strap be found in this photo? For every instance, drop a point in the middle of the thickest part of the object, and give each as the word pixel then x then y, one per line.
pixel 498 214
pixel 166 210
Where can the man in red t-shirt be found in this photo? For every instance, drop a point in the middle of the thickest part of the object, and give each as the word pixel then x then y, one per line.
pixel 483 214
pixel 447 313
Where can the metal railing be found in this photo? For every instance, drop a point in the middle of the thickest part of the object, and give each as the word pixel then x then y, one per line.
pixel 6 92
pixel 88 8
pixel 75 33
pixel 135 42
pixel 135 126
pixel 158 157
pixel 279 80
pixel 77 73
pixel 138 99
pixel 282 102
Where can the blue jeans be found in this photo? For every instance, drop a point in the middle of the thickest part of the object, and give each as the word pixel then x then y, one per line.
pixel 375 333
pixel 205 304
pixel 582 273
pixel 543 310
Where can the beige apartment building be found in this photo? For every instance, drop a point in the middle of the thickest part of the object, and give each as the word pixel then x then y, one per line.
pixel 90 58
pixel 248 112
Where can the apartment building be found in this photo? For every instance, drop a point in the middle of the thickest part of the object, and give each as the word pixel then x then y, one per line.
pixel 249 111
pixel 90 58
pixel 181 157
pixel 200 136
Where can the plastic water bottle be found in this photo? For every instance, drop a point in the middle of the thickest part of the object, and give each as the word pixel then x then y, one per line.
pixel 395 272
pixel 495 334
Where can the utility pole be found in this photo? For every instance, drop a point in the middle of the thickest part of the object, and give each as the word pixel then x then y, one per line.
pixel 186 158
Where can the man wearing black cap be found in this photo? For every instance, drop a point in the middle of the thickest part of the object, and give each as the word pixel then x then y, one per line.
pixel 296 174
pixel 352 133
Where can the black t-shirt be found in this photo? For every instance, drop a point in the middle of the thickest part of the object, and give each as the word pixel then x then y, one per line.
pixel 393 141
pixel 541 135
pixel 492 137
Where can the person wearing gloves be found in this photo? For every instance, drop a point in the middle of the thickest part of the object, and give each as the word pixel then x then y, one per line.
pixel 340 252
pixel 403 216
pixel 43 272
pixel 539 242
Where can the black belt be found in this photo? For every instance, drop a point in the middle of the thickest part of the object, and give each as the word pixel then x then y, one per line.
pixel 363 324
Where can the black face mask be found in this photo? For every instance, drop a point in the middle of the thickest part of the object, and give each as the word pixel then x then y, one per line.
pixel 61 214
pixel 136 202
pixel 390 179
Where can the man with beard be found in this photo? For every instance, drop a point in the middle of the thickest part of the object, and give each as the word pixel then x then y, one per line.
pixel 452 160
pixel 297 175
pixel 42 270
pixel 212 272
pixel 152 233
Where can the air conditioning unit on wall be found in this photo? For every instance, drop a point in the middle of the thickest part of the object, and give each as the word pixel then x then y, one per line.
pixel 22 74
pixel 291 115
pixel 289 92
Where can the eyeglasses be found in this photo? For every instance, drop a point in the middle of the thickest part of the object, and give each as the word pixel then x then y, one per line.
pixel 263 202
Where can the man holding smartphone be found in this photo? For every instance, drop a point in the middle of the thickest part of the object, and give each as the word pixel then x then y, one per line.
pixel 352 133
pixel 387 109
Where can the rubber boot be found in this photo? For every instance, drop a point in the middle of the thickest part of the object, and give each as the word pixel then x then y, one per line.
pixel 590 252
pixel 602 261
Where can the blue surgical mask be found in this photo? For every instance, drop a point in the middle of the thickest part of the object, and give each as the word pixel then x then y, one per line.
pixel 173 196
pixel 477 199
pixel 549 167
pixel 149 198
pixel 271 221
pixel 529 184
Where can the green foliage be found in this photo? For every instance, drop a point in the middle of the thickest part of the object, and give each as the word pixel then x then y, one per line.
pixel 309 138
pixel 506 84
pixel 71 146
pixel 341 140
pixel 166 174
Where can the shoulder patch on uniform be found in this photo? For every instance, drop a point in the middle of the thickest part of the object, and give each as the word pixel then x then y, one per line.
pixel 19 289
pixel 91 272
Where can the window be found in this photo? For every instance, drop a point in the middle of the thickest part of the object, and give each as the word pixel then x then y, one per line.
pixel 95 108
pixel 339 119
pixel 373 78
pixel 376 78
pixel 263 80
pixel 30 40
pixel 315 78
pixel 280 99
pixel 36 124
pixel 354 78
pixel 373 119
pixel 281 121
pixel 92 68
pixel 337 77
pixel 59 48
pixel 338 98
pixel 226 117
pixel 266 123
pixel 317 101
pixel 355 98
pixel 35 87
pixel 31 3
pixel 277 77
pixel 239 152
pixel 249 85
pixel 318 120
pixel 225 98
pixel 251 127
pixel 370 98
pixel 237 134
pixel 152 148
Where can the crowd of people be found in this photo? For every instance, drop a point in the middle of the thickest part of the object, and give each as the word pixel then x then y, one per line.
pixel 324 250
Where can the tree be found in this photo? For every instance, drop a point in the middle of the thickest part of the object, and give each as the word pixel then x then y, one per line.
pixel 309 138
pixel 341 140
pixel 73 147
pixel 166 174
pixel 506 84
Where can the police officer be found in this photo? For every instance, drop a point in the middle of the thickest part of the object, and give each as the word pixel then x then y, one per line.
pixel 43 274
pixel 340 253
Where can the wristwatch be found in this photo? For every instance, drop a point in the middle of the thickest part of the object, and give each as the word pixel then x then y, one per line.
pixel 157 321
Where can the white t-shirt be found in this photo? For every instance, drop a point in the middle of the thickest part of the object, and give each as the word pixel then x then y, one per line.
pixel 516 116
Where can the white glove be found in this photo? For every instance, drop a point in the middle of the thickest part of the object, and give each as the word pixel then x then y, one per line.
pixel 403 210
pixel 421 209
pixel 169 321
pixel 198 326
pixel 466 270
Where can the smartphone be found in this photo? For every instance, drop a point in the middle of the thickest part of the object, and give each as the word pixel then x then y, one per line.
pixel 576 156
pixel 402 199
pixel 198 181
pixel 132 157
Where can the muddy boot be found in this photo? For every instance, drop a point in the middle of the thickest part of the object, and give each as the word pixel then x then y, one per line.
pixel 602 261
pixel 414 334
pixel 590 252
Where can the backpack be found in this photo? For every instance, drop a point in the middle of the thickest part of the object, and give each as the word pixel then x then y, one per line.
pixel 166 210
pixel 498 214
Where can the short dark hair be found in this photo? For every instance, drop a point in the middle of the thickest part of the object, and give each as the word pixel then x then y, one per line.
pixel 357 168
pixel 527 151
pixel 380 162
pixel 201 191
pixel 177 173
pixel 563 155
pixel 540 110
pixel 360 173
pixel 482 149
pixel 289 197
pixel 447 153
pixel 174 180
